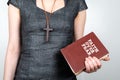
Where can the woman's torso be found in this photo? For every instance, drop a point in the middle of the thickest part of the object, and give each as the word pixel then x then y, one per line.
pixel 39 59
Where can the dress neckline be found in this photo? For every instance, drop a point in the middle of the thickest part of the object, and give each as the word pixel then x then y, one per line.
pixel 47 11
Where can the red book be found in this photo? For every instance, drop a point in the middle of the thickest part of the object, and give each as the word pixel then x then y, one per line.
pixel 76 52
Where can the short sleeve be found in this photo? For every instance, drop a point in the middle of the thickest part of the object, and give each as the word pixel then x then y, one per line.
pixel 82 5
pixel 14 3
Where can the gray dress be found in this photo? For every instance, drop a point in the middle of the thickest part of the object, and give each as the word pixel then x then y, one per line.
pixel 41 60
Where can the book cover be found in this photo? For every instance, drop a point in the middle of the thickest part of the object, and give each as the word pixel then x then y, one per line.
pixel 76 52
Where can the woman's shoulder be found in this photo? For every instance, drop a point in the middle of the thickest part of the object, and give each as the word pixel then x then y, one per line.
pixel 76 2
pixel 82 5
pixel 16 3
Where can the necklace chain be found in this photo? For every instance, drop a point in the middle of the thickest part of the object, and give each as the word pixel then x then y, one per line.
pixel 51 8
pixel 48 17
pixel 47 28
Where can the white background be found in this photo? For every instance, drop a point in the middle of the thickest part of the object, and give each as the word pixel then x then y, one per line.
pixel 103 18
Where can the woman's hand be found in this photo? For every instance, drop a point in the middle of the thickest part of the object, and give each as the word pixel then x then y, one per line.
pixel 92 64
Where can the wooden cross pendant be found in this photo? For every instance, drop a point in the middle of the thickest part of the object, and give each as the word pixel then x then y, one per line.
pixel 47 29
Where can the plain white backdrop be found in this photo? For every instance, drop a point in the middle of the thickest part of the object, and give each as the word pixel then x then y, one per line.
pixel 103 17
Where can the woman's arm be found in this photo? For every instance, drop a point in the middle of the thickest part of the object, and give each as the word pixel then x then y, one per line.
pixel 79 24
pixel 92 63
pixel 13 48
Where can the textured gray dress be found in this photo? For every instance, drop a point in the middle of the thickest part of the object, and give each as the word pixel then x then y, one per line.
pixel 40 60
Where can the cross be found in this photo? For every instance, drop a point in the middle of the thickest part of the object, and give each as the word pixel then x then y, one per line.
pixel 47 29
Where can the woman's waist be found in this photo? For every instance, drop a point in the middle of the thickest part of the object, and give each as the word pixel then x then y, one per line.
pixel 39 42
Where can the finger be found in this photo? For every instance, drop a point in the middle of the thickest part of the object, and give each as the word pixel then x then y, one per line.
pixel 90 64
pixel 98 62
pixel 87 66
pixel 105 58
pixel 94 63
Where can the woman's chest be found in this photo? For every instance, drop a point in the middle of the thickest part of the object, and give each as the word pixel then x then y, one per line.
pixel 34 18
pixel 31 12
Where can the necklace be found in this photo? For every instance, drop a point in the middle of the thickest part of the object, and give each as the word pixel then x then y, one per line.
pixel 47 28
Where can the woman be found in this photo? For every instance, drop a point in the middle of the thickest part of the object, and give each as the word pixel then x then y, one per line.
pixel 38 29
